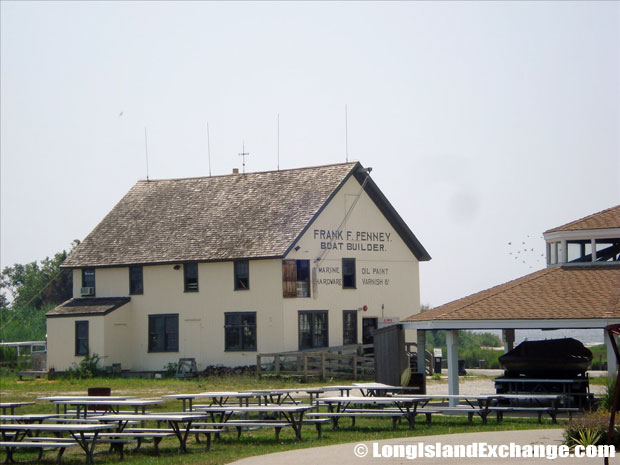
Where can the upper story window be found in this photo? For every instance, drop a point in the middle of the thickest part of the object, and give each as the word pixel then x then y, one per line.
pixel 164 333
pixel 190 277
pixel 583 251
pixel 136 283
pixel 88 281
pixel 608 250
pixel 81 338
pixel 348 273
pixel 242 275
pixel 296 278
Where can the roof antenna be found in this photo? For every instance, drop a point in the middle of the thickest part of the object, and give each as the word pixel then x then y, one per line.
pixel 209 149
pixel 244 154
pixel 346 133
pixel 278 141
pixel 146 150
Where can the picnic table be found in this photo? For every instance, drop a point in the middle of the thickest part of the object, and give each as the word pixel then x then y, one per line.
pixel 54 399
pixel 216 397
pixel 345 390
pixel 379 389
pixel 12 406
pixel 483 404
pixel 77 431
pixel 406 406
pixel 280 396
pixel 27 418
pixel 175 421
pixel 291 415
pixel 113 406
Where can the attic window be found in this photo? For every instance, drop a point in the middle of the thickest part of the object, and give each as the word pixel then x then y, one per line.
pixel 296 278
pixel 348 273
pixel 242 275
pixel 190 277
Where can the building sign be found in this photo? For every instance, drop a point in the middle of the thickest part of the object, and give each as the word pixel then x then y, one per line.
pixel 362 241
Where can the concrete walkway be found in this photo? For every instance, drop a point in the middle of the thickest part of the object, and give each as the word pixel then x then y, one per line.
pixel 344 454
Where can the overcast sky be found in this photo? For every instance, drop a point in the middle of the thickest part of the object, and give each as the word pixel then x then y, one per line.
pixel 484 123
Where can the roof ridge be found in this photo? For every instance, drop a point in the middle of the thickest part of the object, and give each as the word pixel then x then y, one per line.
pixel 496 289
pixel 189 178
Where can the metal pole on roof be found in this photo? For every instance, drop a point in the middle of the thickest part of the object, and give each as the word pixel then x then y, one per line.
pixel 209 148
pixel 146 150
pixel 278 141
pixel 346 133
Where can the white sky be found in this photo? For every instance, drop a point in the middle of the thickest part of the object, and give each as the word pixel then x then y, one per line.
pixel 485 123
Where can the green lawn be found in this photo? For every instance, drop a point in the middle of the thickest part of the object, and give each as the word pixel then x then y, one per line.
pixel 228 448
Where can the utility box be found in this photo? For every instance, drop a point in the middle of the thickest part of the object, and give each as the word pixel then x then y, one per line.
pixel 391 358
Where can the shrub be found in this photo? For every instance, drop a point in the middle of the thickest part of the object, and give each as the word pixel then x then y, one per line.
pixel 87 368
pixel 607 400
pixel 170 370
pixel 590 429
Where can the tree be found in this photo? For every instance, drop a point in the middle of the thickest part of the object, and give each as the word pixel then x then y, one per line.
pixel 28 291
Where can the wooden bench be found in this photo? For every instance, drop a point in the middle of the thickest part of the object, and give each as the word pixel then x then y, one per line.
pixel 426 411
pixel 41 445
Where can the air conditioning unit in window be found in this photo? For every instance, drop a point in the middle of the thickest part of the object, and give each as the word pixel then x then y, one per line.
pixel 302 289
pixel 87 291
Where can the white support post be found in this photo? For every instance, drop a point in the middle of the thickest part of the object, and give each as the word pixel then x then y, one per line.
pixel 564 247
pixel 421 337
pixel 612 366
pixel 593 246
pixel 452 339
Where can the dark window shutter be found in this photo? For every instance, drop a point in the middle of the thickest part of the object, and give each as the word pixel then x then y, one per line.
pixel 289 278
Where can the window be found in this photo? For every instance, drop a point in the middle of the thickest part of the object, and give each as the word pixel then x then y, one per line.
pixel 240 331
pixel 313 329
pixel 190 277
pixel 296 278
pixel 242 275
pixel 608 250
pixel 88 278
pixel 164 333
pixel 136 284
pixel 81 338
pixel 348 273
pixel 349 327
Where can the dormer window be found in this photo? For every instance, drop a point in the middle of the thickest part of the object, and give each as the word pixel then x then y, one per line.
pixel 608 250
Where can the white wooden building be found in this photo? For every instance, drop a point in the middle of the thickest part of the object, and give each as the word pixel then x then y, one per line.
pixel 222 268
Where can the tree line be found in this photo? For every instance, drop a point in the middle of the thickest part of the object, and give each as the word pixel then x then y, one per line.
pixel 28 291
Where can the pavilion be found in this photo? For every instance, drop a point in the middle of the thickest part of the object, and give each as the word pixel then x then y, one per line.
pixel 579 289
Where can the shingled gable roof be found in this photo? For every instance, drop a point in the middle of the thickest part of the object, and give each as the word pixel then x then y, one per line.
pixel 574 292
pixel 256 215
pixel 606 219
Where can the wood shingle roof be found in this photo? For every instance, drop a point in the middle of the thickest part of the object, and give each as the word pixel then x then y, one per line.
pixel 256 215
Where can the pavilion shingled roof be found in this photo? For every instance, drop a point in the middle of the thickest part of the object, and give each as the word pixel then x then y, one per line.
pixel 575 292
pixel 606 219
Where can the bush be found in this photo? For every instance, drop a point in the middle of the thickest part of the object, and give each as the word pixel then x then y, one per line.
pixel 87 368
pixel 590 429
pixel 607 400
pixel 170 370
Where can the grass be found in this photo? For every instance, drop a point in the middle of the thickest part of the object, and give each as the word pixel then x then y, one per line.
pixel 228 448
